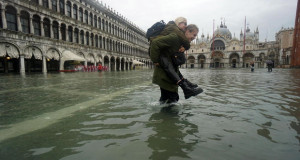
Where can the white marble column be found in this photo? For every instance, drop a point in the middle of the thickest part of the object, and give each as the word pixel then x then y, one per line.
pixel 42 28
pixel 44 65
pixel 85 63
pixel 4 23
pixel 51 30
pixel 22 64
pixel 61 65
pixel 31 25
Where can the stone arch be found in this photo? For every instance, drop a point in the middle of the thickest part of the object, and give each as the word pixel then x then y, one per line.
pixel 247 59
pixel 118 63
pixel 35 51
pixel 9 49
pixel 234 60
pixel 33 59
pixel 9 57
pixel 106 61
pixel 191 61
pixel 52 59
pixel 112 63
pixel 201 60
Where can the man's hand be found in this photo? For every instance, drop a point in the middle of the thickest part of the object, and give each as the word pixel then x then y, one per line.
pixel 181 49
pixel 156 64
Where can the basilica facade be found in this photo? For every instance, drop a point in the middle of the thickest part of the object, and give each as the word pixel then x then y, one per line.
pixel 224 50
pixel 49 35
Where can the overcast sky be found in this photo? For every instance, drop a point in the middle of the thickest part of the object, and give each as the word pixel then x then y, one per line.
pixel 268 15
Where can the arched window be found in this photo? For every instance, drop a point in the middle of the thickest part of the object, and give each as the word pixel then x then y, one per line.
pixel 99 22
pixel 76 35
pixel 92 39
pixel 106 26
pixel 55 30
pixel 87 36
pixel 11 18
pixel 96 41
pixel 36 20
pixel 100 40
pixel 69 9
pixel 62 6
pixel 45 3
pixel 86 17
pixel 104 46
pixel 54 5
pixel 218 45
pixel 70 33
pixel 75 11
pixel 47 27
pixel 63 32
pixel 95 21
pixel 25 21
pixel 81 14
pixel 35 1
pixel 109 28
pixel 82 37
pixel 91 19
pixel 103 25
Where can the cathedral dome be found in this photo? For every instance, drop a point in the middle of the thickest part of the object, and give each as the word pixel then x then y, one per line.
pixel 223 32
pixel 249 35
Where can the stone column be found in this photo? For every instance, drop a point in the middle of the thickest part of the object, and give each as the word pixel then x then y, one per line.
pixel 40 2
pixel 19 22
pixel 51 30
pixel 31 25
pixel 57 6
pixel 61 65
pixel 22 64
pixel 65 7
pixel 59 32
pixel 44 65
pixel 85 63
pixel 42 28
pixel 73 32
pixel 3 18
pixel 67 34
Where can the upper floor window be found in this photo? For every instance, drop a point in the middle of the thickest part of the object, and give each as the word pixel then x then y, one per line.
pixel 25 21
pixel 62 6
pixel 55 30
pixel 69 9
pixel 45 3
pixel 47 27
pixel 75 11
pixel 86 17
pixel 54 5
pixel 36 25
pixel 91 19
pixel 11 18
pixel 81 14
pixel 35 1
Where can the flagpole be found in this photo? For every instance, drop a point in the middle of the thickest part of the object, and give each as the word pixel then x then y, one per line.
pixel 244 35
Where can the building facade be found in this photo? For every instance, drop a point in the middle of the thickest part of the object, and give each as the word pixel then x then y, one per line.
pixel 284 38
pixel 296 42
pixel 224 50
pixel 49 35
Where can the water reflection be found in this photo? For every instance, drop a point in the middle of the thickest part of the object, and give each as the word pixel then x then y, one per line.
pixel 171 135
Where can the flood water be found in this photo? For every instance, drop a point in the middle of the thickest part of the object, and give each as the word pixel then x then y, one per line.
pixel 116 116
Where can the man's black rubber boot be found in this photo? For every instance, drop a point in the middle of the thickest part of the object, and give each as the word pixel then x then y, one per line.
pixel 190 84
pixel 188 91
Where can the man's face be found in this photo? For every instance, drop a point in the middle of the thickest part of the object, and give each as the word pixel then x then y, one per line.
pixel 191 35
